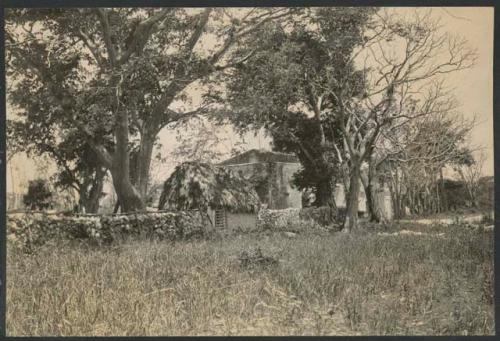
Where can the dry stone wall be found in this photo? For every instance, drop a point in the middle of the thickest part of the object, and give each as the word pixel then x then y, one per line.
pixel 298 219
pixel 29 231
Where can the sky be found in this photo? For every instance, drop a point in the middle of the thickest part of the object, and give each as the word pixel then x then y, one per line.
pixel 473 88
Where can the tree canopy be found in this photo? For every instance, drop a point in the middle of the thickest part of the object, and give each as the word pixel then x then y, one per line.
pixel 280 88
pixel 116 82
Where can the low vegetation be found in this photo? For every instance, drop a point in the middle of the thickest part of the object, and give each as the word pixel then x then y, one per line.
pixel 267 283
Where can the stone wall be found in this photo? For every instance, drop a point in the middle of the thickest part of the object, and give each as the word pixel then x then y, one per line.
pixel 29 231
pixel 298 219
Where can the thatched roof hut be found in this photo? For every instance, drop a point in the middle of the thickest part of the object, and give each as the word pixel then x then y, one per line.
pixel 195 185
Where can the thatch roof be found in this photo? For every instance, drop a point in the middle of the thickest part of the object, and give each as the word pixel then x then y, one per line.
pixel 195 185
pixel 260 156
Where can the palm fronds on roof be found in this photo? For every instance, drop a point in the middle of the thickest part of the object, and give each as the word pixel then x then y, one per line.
pixel 195 185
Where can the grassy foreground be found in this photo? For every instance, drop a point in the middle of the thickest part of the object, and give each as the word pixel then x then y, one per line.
pixel 324 284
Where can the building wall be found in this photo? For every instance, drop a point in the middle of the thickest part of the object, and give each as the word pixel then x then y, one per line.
pixel 340 200
pixel 236 221
pixel 286 196
pixel 276 189
pixel 241 221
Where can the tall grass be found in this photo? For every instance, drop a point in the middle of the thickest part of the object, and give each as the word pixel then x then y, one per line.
pixel 332 284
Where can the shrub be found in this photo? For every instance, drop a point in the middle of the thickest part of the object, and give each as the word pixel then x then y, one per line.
pixel 324 215
pixel 39 197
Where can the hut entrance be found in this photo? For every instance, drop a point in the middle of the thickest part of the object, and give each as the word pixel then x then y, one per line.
pixel 220 219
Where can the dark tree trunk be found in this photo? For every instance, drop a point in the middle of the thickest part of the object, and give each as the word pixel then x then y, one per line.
pixel 374 196
pixel 92 202
pixel 375 202
pixel 325 194
pixel 351 217
pixel 369 202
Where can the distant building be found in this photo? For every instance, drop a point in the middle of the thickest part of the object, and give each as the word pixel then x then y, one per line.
pixel 271 172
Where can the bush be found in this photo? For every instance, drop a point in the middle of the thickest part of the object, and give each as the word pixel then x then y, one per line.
pixel 324 215
pixel 39 197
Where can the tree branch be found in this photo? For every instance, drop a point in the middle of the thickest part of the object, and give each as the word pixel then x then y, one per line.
pixel 106 31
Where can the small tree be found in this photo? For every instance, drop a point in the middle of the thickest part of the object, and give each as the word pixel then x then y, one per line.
pixel 39 196
pixel 470 172
pixel 418 153
pixel 397 59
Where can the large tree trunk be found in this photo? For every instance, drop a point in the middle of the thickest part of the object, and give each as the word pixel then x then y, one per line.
pixel 325 192
pixel 129 197
pixel 351 217
pixel 116 207
pixel 375 202
pixel 374 195
pixel 144 164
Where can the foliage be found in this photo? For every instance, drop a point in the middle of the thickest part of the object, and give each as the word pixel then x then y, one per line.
pixel 344 67
pixel 422 150
pixel 470 171
pixel 195 185
pixel 486 200
pixel 113 74
pixel 200 140
pixel 278 88
pixel 39 195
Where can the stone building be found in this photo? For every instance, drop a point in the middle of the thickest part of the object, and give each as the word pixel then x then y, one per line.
pixel 271 172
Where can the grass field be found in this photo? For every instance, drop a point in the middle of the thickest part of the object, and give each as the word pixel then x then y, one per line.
pixel 363 283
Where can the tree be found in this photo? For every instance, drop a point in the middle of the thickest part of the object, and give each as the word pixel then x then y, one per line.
pixel 201 141
pixel 376 72
pixel 86 176
pixel 38 196
pixel 396 59
pixel 470 171
pixel 121 77
pixel 76 161
pixel 279 89
pixel 319 173
pixel 420 151
pixel 374 178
